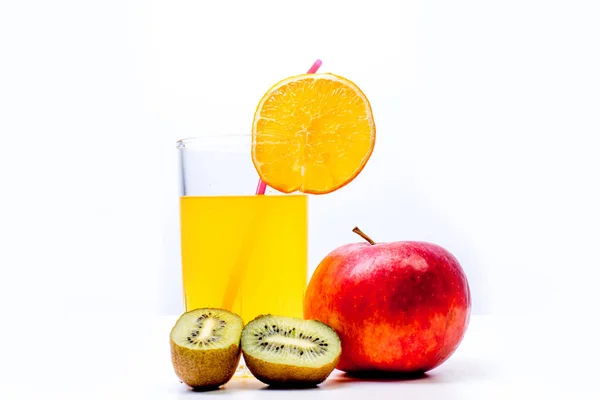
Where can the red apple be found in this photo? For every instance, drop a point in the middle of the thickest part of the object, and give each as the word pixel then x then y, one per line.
pixel 398 307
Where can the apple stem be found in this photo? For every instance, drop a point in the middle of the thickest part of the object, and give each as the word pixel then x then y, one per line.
pixel 363 235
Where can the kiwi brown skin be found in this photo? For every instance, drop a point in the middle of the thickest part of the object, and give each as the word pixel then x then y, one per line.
pixel 205 369
pixel 282 375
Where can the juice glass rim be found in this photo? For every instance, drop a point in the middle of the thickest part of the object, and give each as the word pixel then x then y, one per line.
pixel 194 142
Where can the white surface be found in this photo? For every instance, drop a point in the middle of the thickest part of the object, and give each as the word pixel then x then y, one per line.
pixel 500 358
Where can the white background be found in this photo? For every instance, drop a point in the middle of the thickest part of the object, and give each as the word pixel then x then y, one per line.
pixel 487 117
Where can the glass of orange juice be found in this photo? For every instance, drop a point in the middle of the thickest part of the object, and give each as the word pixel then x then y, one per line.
pixel 240 251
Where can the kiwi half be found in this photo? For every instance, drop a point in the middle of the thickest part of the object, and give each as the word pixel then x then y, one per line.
pixel 284 351
pixel 205 347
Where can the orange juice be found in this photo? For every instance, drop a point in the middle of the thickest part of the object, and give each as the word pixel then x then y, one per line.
pixel 247 254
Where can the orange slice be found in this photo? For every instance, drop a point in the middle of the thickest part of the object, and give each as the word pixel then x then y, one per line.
pixel 312 133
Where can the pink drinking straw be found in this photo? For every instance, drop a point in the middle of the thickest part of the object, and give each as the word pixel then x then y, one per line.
pixel 261 187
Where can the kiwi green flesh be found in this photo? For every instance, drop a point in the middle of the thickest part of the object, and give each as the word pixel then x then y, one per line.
pixel 286 341
pixel 206 329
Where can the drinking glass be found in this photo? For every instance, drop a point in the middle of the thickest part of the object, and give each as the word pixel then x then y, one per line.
pixel 240 251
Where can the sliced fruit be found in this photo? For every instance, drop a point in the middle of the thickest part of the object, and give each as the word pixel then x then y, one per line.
pixel 284 351
pixel 312 133
pixel 205 347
